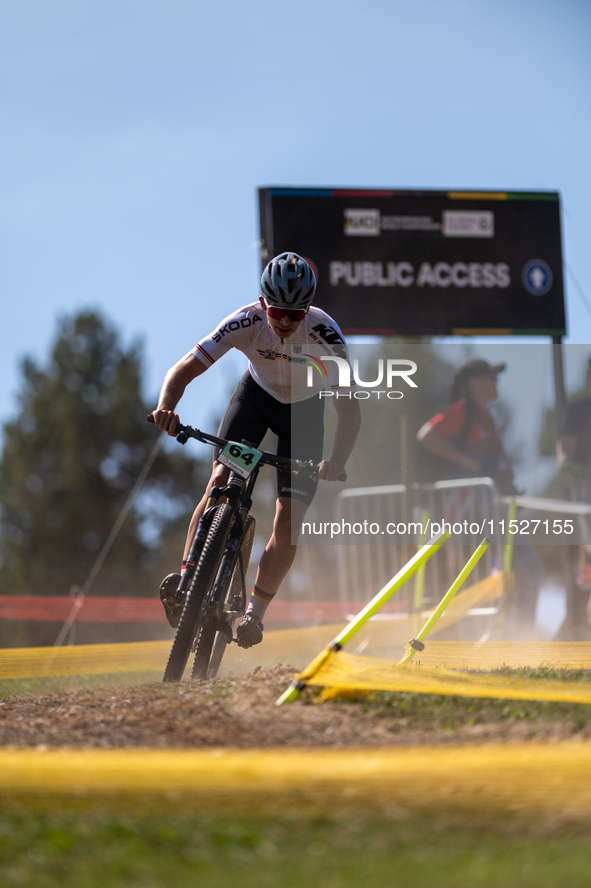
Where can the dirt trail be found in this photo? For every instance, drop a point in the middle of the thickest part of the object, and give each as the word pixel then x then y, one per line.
pixel 239 712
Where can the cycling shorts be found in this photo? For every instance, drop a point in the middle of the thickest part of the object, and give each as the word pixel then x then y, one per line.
pixel 299 427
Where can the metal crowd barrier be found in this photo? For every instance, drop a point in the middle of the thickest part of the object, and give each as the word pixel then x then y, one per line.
pixel 364 568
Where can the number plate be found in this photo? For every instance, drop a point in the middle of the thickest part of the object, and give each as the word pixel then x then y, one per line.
pixel 240 458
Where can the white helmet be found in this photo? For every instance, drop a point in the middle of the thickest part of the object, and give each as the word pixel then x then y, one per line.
pixel 288 282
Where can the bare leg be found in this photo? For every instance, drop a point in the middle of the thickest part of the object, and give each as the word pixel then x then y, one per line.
pixel 218 478
pixel 280 551
pixel 273 566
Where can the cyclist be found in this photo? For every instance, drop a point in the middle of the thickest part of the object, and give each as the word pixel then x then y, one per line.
pixel 277 393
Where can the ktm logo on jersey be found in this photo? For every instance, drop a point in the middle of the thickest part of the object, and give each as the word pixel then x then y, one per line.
pixel 332 338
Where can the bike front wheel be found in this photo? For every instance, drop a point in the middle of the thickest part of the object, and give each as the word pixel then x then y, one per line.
pixel 205 572
pixel 211 645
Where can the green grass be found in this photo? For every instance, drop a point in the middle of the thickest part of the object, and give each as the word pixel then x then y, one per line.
pixel 452 712
pixel 174 849
pixel 57 684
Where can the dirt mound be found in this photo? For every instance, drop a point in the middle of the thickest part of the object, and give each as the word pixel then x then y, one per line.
pixel 242 712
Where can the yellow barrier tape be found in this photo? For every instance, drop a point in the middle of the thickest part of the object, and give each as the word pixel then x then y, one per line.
pixel 352 672
pixel 493 655
pixel 87 659
pixel 550 779
pixel 284 645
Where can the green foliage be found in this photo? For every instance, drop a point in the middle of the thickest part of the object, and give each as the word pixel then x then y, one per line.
pixel 70 459
pixel 169 844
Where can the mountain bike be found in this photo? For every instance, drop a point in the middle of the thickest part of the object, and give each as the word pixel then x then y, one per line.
pixel 213 587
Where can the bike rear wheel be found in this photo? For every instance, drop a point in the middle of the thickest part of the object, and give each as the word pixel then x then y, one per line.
pixel 211 645
pixel 205 572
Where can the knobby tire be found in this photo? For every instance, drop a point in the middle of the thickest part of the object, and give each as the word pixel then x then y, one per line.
pixel 205 572
pixel 210 650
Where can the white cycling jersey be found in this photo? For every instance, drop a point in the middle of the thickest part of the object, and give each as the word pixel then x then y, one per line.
pixel 290 369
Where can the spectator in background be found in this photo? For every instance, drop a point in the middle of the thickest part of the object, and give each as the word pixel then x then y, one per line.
pixel 464 442
pixel 573 446
pixel 573 456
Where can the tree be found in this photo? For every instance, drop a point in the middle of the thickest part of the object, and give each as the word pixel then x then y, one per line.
pixel 69 461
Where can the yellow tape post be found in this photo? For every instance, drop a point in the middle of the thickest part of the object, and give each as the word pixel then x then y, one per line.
pixel 411 647
pixel 508 551
pixel 404 574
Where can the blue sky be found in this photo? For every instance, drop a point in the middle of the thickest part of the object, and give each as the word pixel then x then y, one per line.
pixel 135 133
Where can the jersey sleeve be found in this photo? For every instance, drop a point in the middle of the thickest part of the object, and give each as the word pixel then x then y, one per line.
pixel 235 331
pixel 449 423
pixel 334 377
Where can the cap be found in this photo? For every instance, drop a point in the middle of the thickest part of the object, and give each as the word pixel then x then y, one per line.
pixel 479 367
pixel 471 369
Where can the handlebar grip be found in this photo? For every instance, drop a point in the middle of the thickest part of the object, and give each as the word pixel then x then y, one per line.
pixel 179 429
pixel 343 477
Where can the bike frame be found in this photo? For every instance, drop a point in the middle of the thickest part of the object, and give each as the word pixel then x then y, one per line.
pixel 238 492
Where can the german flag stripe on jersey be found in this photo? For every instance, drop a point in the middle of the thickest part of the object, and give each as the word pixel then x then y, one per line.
pixel 200 353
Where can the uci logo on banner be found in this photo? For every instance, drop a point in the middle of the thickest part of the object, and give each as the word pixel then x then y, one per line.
pixel 362 222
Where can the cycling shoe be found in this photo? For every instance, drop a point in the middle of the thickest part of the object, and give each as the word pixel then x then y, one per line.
pixel 173 604
pixel 249 631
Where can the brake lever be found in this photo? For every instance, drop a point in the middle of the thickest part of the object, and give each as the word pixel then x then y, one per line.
pixel 181 435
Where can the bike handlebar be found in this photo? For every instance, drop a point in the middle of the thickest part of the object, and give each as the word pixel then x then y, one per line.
pixel 295 466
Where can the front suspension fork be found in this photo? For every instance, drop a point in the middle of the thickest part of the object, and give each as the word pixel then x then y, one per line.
pixel 199 541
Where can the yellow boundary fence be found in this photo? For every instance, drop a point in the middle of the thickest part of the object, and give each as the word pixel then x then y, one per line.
pixel 349 672
pixel 145 656
pixel 283 646
pixel 552 780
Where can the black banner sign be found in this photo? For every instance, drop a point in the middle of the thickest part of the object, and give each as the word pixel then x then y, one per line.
pixel 425 263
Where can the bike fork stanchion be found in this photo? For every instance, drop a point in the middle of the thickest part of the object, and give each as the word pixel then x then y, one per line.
pixel 417 644
pixel 197 547
pixel 410 568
